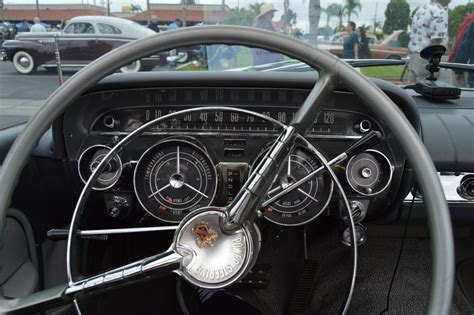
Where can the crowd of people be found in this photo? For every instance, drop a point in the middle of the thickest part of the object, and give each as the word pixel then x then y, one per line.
pixel 9 32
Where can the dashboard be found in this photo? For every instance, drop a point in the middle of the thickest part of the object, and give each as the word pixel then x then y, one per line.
pixel 203 156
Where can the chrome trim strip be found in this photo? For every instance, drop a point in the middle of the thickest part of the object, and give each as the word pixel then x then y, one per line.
pixel 450 183
pixel 128 230
pixel 65 65
pixel 263 134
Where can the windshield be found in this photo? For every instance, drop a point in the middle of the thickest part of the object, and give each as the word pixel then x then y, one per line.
pixel 388 35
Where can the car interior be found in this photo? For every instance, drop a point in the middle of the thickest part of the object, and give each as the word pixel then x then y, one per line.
pixel 238 192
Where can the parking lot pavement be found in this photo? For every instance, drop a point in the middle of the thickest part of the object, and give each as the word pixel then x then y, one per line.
pixel 22 95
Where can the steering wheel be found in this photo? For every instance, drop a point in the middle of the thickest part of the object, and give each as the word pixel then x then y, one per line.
pixel 232 226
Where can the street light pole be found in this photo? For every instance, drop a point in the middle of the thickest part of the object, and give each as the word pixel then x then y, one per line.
pixel 222 11
pixel 108 7
pixel 37 9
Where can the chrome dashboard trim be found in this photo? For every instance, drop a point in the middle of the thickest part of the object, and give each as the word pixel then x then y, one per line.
pixel 263 134
pixel 450 183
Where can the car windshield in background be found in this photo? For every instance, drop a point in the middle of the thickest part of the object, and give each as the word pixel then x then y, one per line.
pixel 388 35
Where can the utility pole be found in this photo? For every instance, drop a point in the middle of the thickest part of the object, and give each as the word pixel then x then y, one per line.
pixel 1 10
pixel 222 11
pixel 375 16
pixel 37 9
pixel 108 7
pixel 183 12
pixel 148 13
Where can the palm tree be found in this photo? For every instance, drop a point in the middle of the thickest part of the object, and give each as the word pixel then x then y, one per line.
pixel 340 16
pixel 332 10
pixel 351 7
pixel 135 8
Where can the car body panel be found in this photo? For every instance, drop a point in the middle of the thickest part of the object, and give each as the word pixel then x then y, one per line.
pixel 384 50
pixel 79 49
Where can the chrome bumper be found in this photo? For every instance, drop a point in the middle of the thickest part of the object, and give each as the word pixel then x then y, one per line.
pixel 3 55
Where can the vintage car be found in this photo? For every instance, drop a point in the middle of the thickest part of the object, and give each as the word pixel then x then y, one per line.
pixel 84 39
pixel 392 47
pixel 237 192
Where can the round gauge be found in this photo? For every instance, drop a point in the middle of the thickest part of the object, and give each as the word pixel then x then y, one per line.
pixel 369 173
pixel 91 158
pixel 360 235
pixel 173 178
pixel 307 201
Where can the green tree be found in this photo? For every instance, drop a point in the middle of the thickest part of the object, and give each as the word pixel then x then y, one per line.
pixel 351 8
pixel 455 18
pixel 332 10
pixel 397 16
pixel 243 16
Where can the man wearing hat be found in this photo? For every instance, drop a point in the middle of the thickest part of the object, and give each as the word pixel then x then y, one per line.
pixel 264 21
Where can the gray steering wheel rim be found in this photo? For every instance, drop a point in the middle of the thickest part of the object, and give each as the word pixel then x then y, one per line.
pixel 442 245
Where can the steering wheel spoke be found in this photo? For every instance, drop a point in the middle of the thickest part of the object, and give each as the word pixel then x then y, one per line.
pixel 161 265
pixel 314 103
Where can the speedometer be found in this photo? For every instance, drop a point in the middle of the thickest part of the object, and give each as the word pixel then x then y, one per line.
pixel 173 178
pixel 304 203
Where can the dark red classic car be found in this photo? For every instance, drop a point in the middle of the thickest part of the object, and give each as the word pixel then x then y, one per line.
pixel 84 39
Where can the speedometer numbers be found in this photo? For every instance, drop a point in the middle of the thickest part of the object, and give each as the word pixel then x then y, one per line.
pixel 173 178
pixel 304 203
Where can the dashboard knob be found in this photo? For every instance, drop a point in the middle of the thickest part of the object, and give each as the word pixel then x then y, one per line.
pixel 363 126
pixel 466 187
pixel 109 121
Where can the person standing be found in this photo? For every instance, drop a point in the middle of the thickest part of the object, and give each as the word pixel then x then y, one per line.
pixel 37 27
pixel 63 24
pixel 154 24
pixel 462 29
pixel 363 43
pixel 465 54
pixel 429 27
pixel 175 25
pixel 350 45
pixel 265 21
pixel 23 27
pixel 6 32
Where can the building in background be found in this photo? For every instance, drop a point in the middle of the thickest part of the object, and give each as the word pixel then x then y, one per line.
pixel 166 13
pixel 193 13
pixel 50 13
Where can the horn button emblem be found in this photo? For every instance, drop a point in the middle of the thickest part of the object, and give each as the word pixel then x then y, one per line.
pixel 214 256
pixel 205 236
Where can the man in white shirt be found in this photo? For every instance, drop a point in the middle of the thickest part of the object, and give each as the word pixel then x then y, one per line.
pixel 38 27
pixel 429 27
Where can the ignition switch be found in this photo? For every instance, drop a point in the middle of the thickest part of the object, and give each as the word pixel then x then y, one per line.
pixel 118 206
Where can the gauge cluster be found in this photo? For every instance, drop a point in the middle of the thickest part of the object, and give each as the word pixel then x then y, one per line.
pixel 203 157
pixel 173 178
pixel 305 203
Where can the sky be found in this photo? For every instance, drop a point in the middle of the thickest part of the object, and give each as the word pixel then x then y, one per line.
pixel 370 8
